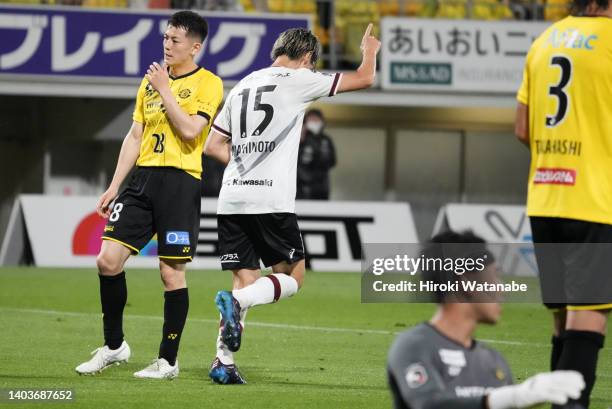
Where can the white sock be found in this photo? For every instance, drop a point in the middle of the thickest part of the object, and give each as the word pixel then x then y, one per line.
pixel 225 355
pixel 266 290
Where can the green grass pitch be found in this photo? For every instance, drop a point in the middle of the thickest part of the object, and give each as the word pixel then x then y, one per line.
pixel 319 349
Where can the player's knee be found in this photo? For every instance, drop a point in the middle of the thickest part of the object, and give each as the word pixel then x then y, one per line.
pixel 172 278
pixel 108 265
pixel 296 270
pixel 249 277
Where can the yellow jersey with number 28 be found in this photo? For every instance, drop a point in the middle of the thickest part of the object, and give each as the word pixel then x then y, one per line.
pixel 198 93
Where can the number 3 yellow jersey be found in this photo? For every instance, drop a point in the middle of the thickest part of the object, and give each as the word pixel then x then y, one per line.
pixel 567 84
pixel 198 93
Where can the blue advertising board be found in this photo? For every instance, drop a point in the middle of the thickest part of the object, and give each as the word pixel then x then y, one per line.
pixel 66 41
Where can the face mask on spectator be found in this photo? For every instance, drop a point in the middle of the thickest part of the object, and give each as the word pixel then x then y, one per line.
pixel 314 126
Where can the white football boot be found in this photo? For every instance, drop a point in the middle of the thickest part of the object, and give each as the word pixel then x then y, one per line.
pixel 159 369
pixel 104 357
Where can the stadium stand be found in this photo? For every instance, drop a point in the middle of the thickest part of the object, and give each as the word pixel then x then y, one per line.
pixel 349 12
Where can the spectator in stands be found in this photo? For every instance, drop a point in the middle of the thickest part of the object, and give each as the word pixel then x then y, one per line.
pixel 316 157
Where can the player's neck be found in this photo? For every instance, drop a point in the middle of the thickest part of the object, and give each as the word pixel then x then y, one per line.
pixel 595 11
pixel 182 69
pixel 455 325
pixel 286 62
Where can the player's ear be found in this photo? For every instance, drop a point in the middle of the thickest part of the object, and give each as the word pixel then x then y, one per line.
pixel 195 48
pixel 305 61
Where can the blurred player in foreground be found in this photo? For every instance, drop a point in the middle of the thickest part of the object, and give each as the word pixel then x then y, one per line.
pixel 564 116
pixel 439 365
pixel 174 106
pixel 257 133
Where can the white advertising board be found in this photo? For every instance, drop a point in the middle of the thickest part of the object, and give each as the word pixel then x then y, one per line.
pixel 455 55
pixel 65 232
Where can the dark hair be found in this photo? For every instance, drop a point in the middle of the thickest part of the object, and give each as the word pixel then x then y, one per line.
pixel 296 43
pixel 315 112
pixel 579 7
pixel 452 245
pixel 191 22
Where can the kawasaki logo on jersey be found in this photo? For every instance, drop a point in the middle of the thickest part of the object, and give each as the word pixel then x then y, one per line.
pixel 179 238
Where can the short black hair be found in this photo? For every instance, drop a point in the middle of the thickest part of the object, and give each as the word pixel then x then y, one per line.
pixel 579 7
pixel 452 245
pixel 296 43
pixel 194 24
pixel 315 112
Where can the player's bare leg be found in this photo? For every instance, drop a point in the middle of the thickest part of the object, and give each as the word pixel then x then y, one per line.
pixel 176 306
pixel 113 296
pixel 296 270
pixel 595 321
pixel 112 258
pixel 244 277
pixel 583 338
pixel 172 274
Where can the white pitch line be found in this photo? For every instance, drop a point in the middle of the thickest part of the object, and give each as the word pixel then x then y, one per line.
pixel 255 324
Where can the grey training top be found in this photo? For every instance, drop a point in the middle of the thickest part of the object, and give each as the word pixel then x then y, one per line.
pixel 428 370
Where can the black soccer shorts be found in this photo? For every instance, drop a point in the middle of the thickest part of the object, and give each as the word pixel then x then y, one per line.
pixel 244 239
pixel 158 200
pixel 574 260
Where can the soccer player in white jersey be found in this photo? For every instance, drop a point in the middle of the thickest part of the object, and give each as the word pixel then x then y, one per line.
pixel 257 134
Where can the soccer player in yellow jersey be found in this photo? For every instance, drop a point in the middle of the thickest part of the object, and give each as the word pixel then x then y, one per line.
pixel 173 112
pixel 564 116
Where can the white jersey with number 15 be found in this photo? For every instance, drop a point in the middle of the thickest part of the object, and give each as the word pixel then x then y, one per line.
pixel 263 116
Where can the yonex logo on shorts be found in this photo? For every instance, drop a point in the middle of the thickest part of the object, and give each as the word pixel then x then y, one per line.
pixel 179 238
pixel 555 176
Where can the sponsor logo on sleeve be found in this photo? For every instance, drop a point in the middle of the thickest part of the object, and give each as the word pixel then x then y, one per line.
pixel 178 238
pixel 416 375
pixel 555 176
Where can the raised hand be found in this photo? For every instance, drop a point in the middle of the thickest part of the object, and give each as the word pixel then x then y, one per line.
pixel 157 75
pixel 369 43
